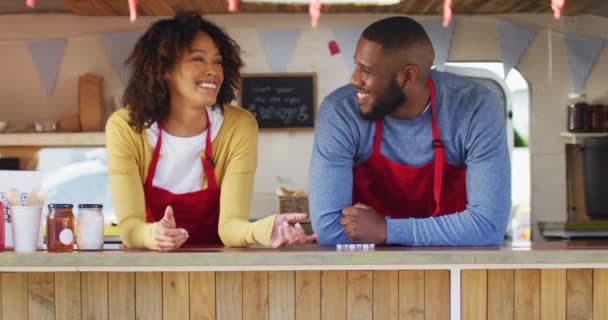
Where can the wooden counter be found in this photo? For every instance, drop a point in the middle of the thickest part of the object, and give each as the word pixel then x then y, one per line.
pixel 549 281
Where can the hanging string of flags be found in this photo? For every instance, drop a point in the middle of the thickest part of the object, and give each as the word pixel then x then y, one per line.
pixel 314 10
pixel 280 44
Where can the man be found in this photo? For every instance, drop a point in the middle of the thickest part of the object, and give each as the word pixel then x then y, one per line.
pixel 408 156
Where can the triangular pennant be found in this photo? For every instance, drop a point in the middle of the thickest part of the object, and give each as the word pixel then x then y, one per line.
pixel 513 40
pixel 582 53
pixel 47 55
pixel 347 39
pixel 118 46
pixel 279 45
pixel 441 38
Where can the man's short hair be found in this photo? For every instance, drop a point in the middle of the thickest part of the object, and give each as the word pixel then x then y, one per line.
pixel 397 32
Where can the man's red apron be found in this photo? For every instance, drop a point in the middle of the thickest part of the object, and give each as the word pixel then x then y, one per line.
pixel 400 191
pixel 198 211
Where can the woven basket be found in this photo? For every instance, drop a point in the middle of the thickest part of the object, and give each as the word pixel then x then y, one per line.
pixel 290 204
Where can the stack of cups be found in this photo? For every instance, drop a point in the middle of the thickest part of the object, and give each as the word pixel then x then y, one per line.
pixel 26 227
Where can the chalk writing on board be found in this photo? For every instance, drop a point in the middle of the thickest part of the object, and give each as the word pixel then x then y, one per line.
pixel 279 101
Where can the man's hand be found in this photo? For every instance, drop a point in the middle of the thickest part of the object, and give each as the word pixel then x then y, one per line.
pixel 166 235
pixel 284 234
pixel 363 225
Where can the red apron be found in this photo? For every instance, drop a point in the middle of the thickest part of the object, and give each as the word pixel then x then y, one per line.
pixel 400 191
pixel 198 211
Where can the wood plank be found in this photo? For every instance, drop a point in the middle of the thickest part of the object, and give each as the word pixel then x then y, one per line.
pixel 333 295
pixel 121 295
pixel 527 295
pixel 68 304
pixel 500 294
pixel 176 300
pixel 474 292
pixel 386 295
pixel 90 7
pixel 255 295
pixel 308 295
pixel 94 295
pixel 600 294
pixel 148 295
pixel 553 294
pixel 156 7
pixel 281 295
pixel 359 292
pixel 437 294
pixel 579 294
pixel 411 295
pixel 41 295
pixel 202 295
pixel 14 296
pixel 229 295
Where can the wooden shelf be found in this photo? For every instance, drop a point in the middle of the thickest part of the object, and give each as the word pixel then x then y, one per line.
pixel 578 137
pixel 53 139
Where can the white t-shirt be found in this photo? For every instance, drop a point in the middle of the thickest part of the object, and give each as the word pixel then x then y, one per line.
pixel 179 169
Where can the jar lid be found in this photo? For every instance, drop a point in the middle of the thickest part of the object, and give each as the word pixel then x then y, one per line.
pixel 61 206
pixel 90 205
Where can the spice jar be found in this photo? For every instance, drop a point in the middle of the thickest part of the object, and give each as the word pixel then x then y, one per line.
pixel 597 117
pixel 89 227
pixel 578 114
pixel 60 228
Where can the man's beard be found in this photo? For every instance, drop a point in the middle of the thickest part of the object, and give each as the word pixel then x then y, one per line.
pixel 392 98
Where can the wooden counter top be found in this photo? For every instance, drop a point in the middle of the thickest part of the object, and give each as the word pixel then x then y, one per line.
pixel 309 257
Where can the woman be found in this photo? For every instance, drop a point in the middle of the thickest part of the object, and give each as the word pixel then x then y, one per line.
pixel 181 160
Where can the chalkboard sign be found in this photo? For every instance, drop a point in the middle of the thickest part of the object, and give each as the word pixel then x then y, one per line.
pixel 280 101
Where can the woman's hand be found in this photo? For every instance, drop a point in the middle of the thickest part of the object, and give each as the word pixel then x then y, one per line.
pixel 284 234
pixel 166 235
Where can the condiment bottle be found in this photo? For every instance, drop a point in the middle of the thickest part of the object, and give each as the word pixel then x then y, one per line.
pixel 89 227
pixel 597 117
pixel 2 227
pixel 578 114
pixel 60 228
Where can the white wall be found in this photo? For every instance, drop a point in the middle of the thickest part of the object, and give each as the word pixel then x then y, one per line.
pixel 284 157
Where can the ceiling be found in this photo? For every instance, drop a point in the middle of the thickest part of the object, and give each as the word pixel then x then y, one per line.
pixel 418 7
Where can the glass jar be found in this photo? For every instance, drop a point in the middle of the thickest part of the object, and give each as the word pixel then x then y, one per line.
pixel 597 117
pixel 89 227
pixel 60 228
pixel 578 114
pixel 2 227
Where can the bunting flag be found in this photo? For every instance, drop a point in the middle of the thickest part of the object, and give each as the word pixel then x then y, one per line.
pixel 118 46
pixel 279 45
pixel 347 39
pixel 582 54
pixel 513 40
pixel 46 56
pixel 441 38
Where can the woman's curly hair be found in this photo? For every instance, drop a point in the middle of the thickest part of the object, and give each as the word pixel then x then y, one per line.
pixel 156 52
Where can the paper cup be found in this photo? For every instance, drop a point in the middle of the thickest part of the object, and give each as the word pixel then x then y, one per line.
pixel 26 227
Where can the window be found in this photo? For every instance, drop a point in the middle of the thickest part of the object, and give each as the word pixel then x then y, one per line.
pixel 76 175
pixel 514 94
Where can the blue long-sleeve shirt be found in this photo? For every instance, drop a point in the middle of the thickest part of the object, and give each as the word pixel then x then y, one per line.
pixel 472 127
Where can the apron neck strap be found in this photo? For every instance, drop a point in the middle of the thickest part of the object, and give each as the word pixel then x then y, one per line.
pixel 207 160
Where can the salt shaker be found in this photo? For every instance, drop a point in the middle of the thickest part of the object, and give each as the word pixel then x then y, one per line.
pixel 89 227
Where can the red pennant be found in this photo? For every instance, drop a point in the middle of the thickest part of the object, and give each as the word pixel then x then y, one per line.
pixel 314 10
pixel 447 12
pixel 333 48
pixel 233 5
pixel 132 10
pixel 558 7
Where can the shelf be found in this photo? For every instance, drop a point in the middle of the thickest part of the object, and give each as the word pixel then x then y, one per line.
pixel 53 139
pixel 578 137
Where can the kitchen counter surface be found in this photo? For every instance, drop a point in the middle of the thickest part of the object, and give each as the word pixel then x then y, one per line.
pixel 312 257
